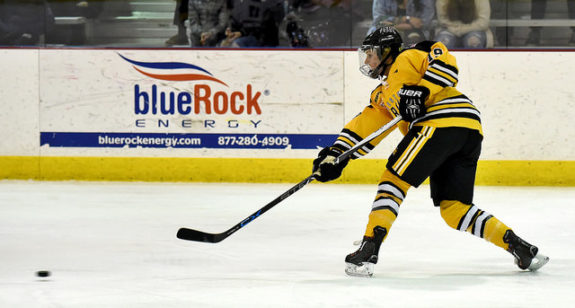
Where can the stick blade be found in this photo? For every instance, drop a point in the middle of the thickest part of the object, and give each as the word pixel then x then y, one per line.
pixel 197 236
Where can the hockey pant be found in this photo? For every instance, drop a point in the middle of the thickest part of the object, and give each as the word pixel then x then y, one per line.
pixel 448 156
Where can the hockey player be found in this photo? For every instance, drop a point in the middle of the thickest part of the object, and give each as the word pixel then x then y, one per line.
pixel 442 141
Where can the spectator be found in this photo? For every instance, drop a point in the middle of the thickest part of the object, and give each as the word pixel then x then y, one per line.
pixel 254 23
pixel 180 17
pixel 500 10
pixel 412 18
pixel 464 23
pixel 208 20
pixel 327 23
pixel 295 33
pixel 537 12
pixel 24 22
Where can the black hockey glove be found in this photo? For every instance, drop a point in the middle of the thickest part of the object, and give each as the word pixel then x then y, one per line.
pixel 412 102
pixel 324 167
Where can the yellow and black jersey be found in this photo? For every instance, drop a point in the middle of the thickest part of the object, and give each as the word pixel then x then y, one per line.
pixel 365 123
pixel 427 64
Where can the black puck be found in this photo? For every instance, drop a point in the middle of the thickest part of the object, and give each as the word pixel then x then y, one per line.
pixel 43 273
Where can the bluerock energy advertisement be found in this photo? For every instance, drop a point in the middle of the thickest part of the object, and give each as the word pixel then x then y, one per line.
pixel 84 113
pixel 185 99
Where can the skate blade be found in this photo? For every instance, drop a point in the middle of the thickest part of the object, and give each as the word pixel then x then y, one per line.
pixel 538 261
pixel 364 270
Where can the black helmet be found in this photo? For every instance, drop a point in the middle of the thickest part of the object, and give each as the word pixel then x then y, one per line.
pixel 385 42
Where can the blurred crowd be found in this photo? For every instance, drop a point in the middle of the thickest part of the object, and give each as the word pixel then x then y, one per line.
pixel 308 23
pixel 283 23
pixel 32 22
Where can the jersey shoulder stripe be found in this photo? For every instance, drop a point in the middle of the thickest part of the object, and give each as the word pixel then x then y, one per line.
pixel 441 74
pixel 437 79
pixel 446 68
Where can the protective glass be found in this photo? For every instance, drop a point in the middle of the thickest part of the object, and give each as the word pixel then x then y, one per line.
pixel 364 68
pixel 374 51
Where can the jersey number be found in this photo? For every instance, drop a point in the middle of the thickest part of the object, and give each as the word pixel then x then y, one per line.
pixel 437 52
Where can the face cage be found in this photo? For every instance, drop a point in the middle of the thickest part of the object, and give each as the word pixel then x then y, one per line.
pixel 364 68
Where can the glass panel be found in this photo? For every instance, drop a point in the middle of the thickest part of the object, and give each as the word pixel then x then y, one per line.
pixel 460 24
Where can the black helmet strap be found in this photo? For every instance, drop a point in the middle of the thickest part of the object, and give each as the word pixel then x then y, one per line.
pixel 380 69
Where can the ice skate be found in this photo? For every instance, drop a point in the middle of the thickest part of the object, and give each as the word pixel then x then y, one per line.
pixel 527 256
pixel 361 262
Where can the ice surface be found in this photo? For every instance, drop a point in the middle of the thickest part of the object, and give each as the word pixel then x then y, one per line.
pixel 114 245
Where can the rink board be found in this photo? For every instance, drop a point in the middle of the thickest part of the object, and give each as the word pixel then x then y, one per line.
pixel 255 116
pixel 264 170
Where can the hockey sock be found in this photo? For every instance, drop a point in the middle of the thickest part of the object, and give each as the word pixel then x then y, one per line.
pixel 390 194
pixel 465 217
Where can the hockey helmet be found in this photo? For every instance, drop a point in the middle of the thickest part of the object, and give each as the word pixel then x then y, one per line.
pixel 385 43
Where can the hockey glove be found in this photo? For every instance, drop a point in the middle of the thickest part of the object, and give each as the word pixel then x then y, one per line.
pixel 324 167
pixel 412 102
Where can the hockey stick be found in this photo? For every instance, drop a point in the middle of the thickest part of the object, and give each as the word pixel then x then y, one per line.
pixel 199 236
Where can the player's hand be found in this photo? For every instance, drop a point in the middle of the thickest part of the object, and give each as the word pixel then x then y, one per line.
pixel 324 167
pixel 412 102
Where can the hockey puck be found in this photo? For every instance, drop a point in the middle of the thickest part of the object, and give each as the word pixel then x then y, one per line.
pixel 43 274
